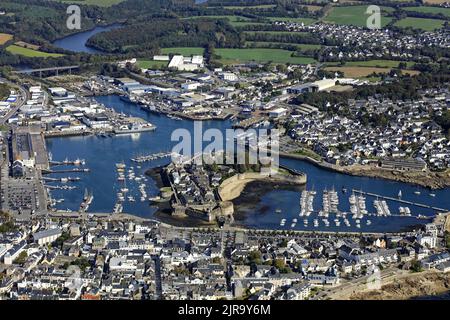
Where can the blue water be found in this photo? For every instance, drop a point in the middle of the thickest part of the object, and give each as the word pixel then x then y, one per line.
pixel 77 42
pixel 101 155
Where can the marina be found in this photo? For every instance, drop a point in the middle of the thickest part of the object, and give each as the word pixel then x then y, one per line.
pixel 102 155
pixel 401 200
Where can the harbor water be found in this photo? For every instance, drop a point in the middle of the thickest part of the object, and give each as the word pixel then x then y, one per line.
pixel 103 153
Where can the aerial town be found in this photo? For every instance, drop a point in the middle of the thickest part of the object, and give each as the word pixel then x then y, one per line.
pixel 352 204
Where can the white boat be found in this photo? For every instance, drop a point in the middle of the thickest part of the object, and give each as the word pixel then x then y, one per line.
pixel 432 195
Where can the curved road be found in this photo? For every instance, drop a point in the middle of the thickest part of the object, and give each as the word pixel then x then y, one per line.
pixel 21 100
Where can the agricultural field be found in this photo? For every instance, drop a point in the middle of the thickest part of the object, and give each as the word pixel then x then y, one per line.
pixel 435 10
pixel 435 1
pixel 100 3
pixel 303 46
pixel 313 8
pixel 378 63
pixel 262 55
pixel 31 53
pixel 306 21
pixel 261 6
pixel 5 37
pixel 420 23
pixel 185 51
pixel 364 72
pixel 234 20
pixel 354 15
pixel 151 64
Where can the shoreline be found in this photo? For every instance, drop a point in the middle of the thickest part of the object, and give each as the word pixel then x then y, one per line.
pixel 426 179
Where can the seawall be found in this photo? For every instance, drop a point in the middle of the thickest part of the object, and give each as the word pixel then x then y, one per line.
pixel 232 187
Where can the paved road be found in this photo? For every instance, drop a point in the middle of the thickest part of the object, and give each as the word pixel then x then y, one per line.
pixel 22 99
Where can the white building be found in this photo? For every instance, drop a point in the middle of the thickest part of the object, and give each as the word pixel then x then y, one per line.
pixel 276 113
pixel 228 76
pixel 161 58
pixel 176 61
pixel 427 240
pixel 47 236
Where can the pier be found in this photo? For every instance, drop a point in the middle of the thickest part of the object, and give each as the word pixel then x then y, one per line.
pixel 66 170
pixel 67 162
pixel 151 157
pixel 400 200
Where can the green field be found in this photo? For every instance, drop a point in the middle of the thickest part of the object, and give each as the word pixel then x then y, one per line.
pixel 262 55
pixel 31 53
pixel 354 15
pixel 303 46
pixel 261 6
pixel 184 51
pixel 100 3
pixel 420 23
pixel 151 64
pixel 435 10
pixel 234 20
pixel 306 21
pixel 378 63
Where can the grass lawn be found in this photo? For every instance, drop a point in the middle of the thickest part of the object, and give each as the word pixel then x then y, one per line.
pixel 185 51
pixel 5 37
pixel 306 21
pixel 100 3
pixel 435 10
pixel 378 63
pixel 354 15
pixel 420 23
pixel 308 153
pixel 313 8
pixel 303 46
pixel 31 53
pixel 435 1
pixel 263 55
pixel 151 64
pixel 364 72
